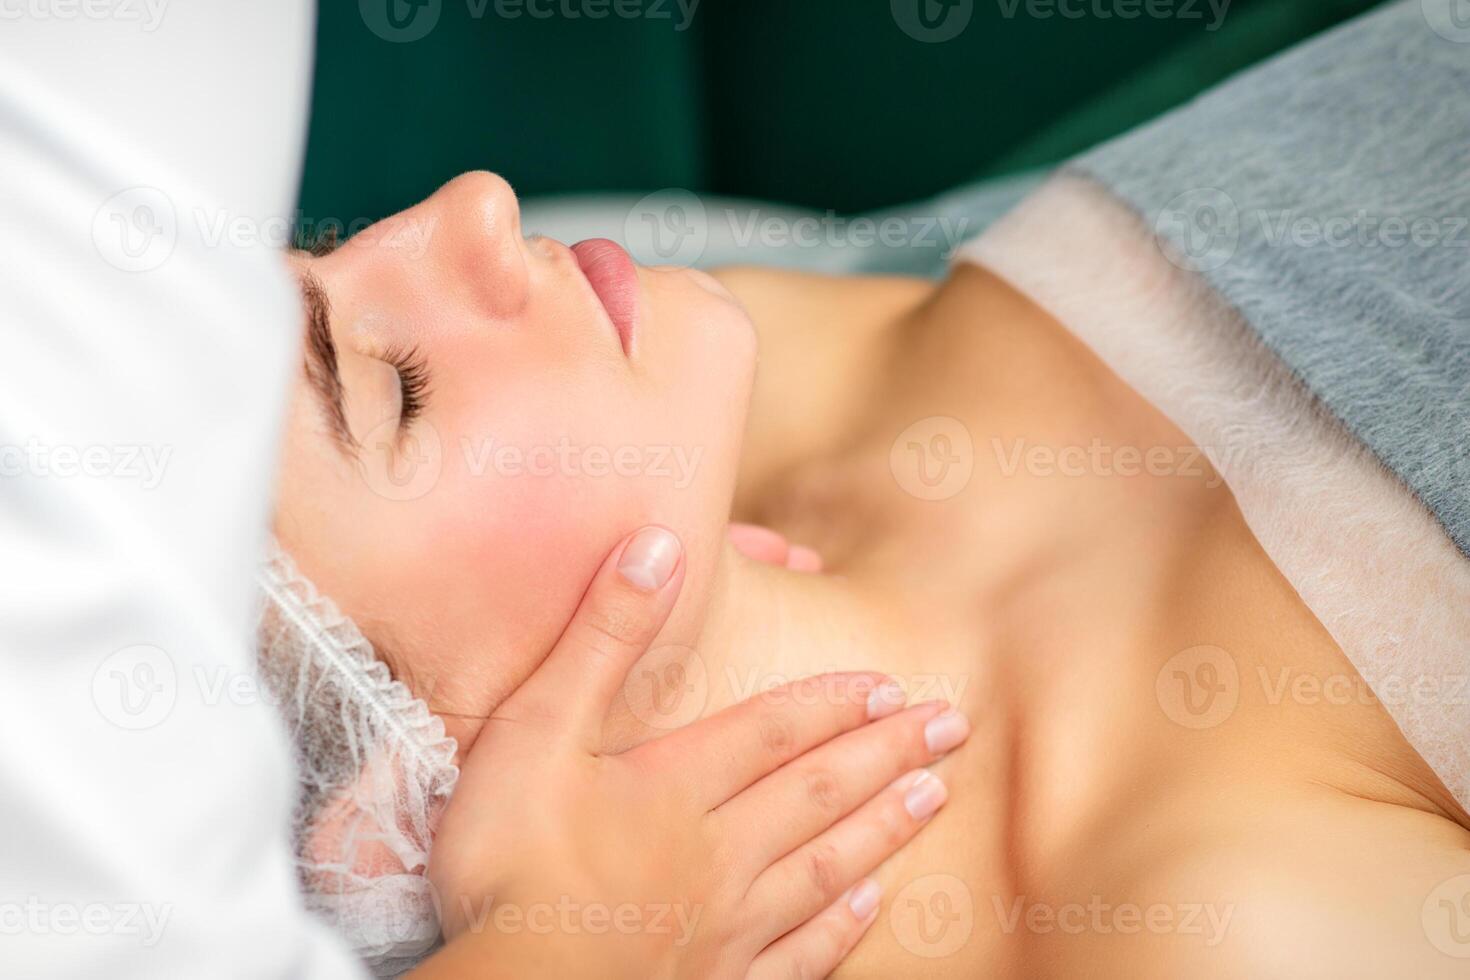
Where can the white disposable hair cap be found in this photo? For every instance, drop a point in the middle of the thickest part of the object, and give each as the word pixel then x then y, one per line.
pixel 375 771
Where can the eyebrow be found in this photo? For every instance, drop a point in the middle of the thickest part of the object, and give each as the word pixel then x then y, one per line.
pixel 321 361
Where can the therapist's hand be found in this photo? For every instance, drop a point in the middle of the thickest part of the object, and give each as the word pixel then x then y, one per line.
pixel 733 848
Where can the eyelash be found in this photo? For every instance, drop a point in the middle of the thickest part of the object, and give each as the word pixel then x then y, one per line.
pixel 413 383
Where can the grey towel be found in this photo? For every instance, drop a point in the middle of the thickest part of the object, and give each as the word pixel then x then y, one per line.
pixel 1326 196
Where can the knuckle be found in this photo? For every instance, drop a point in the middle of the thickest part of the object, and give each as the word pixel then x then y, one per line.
pixel 778 733
pixel 893 745
pixel 802 967
pixel 893 823
pixel 611 626
pixel 823 790
pixel 824 869
pixel 910 745
pixel 835 932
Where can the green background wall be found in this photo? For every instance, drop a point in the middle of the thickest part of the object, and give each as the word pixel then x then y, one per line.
pixel 824 103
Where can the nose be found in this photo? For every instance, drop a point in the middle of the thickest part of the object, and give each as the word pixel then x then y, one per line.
pixel 478 237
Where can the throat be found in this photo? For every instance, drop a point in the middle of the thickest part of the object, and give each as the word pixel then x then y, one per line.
pixel 765 627
pixel 768 626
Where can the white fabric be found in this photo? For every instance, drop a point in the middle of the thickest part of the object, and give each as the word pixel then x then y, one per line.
pixel 1365 555
pixel 145 788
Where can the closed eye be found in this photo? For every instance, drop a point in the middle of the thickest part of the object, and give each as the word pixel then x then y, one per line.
pixel 413 383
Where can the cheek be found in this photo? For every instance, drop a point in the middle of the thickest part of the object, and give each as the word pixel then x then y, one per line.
pixel 530 540
pixel 503 556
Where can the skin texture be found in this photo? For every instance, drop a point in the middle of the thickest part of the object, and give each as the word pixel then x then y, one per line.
pixel 1120 810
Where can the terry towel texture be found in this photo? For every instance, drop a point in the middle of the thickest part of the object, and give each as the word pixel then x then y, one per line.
pixel 1283 268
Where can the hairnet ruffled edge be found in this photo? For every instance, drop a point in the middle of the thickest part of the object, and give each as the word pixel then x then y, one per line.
pixel 340 643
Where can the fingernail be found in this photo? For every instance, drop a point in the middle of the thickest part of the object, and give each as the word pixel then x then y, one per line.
pixel 864 899
pixel 925 797
pixel 945 731
pixel 886 699
pixel 649 559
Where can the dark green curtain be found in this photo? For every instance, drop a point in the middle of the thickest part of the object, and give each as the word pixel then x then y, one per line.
pixel 842 104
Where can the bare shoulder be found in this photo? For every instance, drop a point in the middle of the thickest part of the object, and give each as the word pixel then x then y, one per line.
pixel 1327 886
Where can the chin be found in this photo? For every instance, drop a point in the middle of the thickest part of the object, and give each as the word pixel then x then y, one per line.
pixel 678 277
pixel 696 323
pixel 710 284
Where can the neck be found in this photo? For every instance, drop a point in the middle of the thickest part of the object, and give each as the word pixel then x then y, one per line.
pixel 769 625
pixel 763 626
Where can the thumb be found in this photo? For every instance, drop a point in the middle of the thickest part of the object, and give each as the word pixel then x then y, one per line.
pixel 620 614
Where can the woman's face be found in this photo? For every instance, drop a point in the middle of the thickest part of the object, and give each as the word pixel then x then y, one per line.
pixel 502 412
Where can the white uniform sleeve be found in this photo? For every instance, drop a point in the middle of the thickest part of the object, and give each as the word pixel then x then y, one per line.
pixel 149 153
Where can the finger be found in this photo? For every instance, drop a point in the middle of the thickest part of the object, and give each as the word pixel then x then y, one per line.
pixel 803 559
pixel 759 543
pixel 814 948
pixel 771 548
pixel 804 798
pixel 808 879
pixel 622 611
pixel 754 738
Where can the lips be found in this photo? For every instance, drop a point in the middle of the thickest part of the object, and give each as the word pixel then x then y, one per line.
pixel 614 279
